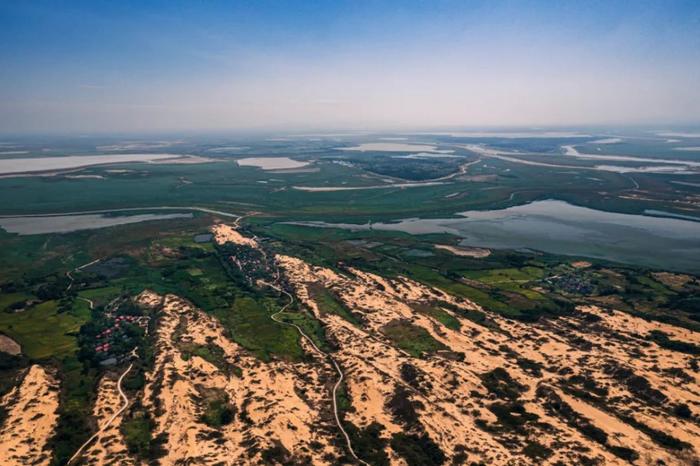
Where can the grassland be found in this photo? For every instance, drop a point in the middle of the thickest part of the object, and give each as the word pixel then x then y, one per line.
pixel 250 325
pixel 225 185
pixel 42 331
pixel 328 303
pixel 415 340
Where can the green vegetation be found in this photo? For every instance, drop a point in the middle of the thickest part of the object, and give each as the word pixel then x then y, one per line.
pixel 78 388
pixel 343 400
pixel 211 353
pixel 137 434
pixel 42 331
pixel 218 410
pixel 309 325
pixel 328 303
pixel 100 296
pixel 415 340
pixel 511 279
pixel 137 428
pixel 536 451
pixel 250 325
pixel 440 315
pixel 10 302
pixel 368 443
pixel 500 383
pixel 663 340
pixel 417 450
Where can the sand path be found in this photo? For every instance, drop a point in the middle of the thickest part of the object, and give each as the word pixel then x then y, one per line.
pixel 341 376
pixel 70 276
pixel 125 400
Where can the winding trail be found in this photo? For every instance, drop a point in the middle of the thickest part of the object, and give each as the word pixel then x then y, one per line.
pixel 341 375
pixel 77 454
pixel 68 274
pixel 90 302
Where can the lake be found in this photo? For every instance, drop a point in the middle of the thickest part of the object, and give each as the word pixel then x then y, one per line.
pixel 70 223
pixel 561 228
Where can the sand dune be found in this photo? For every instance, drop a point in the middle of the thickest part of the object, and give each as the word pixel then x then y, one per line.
pixel 31 419
pixel 603 350
pixel 110 447
pixel 275 404
pixel 589 387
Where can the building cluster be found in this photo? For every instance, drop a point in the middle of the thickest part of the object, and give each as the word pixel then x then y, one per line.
pixel 111 337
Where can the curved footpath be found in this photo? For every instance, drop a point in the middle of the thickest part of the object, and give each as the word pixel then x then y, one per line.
pixel 70 277
pixel 77 454
pixel 341 375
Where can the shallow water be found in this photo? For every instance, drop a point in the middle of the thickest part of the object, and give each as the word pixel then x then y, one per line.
pixel 561 228
pixel 394 147
pixel 70 223
pixel 39 164
pixel 271 163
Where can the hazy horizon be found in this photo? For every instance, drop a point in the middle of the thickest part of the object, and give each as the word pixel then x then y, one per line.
pixel 99 67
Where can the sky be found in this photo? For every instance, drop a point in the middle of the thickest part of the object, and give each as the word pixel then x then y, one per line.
pixel 140 66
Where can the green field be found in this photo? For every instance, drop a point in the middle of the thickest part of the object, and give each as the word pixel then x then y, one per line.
pixel 42 331
pixel 415 340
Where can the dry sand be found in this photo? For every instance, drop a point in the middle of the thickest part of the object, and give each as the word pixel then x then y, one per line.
pixel 581 264
pixel 227 234
pixel 110 447
pixel 455 409
pixel 464 251
pixel 31 419
pixel 278 403
pixel 595 370
pixel 8 345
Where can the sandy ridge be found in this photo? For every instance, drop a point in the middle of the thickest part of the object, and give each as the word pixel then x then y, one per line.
pixel 31 419
pixel 449 416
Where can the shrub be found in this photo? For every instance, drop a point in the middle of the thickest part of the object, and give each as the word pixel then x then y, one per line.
pixel 663 340
pixel 500 383
pixel 403 408
pixel 536 450
pixel 417 450
pixel 368 443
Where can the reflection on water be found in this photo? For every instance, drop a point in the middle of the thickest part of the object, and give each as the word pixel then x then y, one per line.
pixel 561 228
pixel 271 163
pixel 36 164
pixel 68 223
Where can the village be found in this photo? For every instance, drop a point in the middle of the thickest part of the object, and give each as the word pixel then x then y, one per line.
pixel 119 330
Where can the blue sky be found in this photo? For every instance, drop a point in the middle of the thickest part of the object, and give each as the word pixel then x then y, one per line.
pixel 206 65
